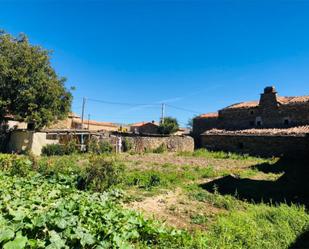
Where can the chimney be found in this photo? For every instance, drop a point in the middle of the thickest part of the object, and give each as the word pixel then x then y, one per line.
pixel 269 98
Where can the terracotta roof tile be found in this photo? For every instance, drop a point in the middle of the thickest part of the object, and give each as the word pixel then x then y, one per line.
pixel 281 100
pixel 93 122
pixel 269 131
pixel 247 104
pixel 208 115
pixel 141 124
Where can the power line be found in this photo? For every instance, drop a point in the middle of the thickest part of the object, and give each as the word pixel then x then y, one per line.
pixel 182 109
pixel 121 103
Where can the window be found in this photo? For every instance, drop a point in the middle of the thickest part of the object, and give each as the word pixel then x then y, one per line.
pixel 286 121
pixel 251 112
pixel 240 145
pixel 30 126
pixel 258 121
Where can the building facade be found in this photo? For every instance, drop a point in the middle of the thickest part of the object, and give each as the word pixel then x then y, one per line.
pixel 74 122
pixel 144 128
pixel 271 111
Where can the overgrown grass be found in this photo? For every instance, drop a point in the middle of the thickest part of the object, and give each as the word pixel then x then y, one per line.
pixel 217 154
pixel 166 176
pixel 226 202
pixel 41 206
pixel 258 226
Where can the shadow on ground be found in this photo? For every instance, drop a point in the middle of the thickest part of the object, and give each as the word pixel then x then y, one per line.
pixel 291 187
pixel 302 242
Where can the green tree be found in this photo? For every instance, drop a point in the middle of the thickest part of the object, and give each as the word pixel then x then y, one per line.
pixel 168 126
pixel 30 89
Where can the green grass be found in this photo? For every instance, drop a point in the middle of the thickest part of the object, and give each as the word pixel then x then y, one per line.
pixel 41 207
pixel 227 202
pixel 218 155
pixel 259 226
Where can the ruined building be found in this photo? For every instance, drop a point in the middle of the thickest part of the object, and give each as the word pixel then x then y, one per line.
pixel 273 125
pixel 271 111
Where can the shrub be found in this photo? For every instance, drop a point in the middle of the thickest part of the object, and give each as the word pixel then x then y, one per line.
pixel 161 149
pixel 127 145
pixel 71 147
pixel 15 165
pixel 60 149
pixel 105 147
pixel 100 175
pixel 99 147
pixel 168 126
pixel 53 150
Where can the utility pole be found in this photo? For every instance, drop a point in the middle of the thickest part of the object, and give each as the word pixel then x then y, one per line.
pixel 162 112
pixel 83 111
pixel 88 121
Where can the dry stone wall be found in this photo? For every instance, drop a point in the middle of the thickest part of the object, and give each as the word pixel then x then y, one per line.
pixel 149 143
pixel 259 145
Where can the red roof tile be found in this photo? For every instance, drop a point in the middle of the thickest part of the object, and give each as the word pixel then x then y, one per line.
pixel 208 115
pixel 142 124
pixel 269 131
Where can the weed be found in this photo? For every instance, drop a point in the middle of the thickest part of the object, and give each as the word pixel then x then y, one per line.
pixel 160 149
pixel 199 219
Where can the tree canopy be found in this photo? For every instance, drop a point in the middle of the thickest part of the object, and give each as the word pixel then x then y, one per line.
pixel 30 89
pixel 168 126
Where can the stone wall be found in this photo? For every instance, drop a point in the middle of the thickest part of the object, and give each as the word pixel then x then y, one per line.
pixel 270 112
pixel 21 141
pixel 259 145
pixel 147 143
pixel 202 124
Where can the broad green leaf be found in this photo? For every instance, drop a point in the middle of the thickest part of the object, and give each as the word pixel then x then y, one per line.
pixel 17 243
pixel 6 234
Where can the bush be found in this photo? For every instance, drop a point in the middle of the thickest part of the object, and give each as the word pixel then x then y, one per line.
pixel 60 149
pixel 169 126
pixel 100 175
pixel 127 145
pixel 161 149
pixel 15 165
pixel 53 150
pixel 99 147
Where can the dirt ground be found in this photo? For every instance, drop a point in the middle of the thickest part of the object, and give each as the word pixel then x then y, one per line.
pixel 174 206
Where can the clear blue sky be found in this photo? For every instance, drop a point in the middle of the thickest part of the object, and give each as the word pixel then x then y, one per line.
pixel 198 55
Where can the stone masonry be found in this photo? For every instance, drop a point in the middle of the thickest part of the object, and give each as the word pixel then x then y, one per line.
pixel 271 111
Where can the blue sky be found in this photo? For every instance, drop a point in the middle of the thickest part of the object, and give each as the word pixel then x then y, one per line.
pixel 197 55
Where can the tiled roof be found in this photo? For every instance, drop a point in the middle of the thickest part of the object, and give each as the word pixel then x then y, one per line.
pixel 293 100
pixel 272 131
pixel 243 105
pixel 208 115
pixel 281 100
pixel 142 124
pixel 93 122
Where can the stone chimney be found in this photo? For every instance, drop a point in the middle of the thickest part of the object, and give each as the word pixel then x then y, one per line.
pixel 268 99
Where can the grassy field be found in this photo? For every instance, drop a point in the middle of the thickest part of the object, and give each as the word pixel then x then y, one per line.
pixel 165 200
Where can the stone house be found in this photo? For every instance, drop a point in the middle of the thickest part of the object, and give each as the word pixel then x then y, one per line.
pixel 145 128
pixel 74 122
pixel 271 111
